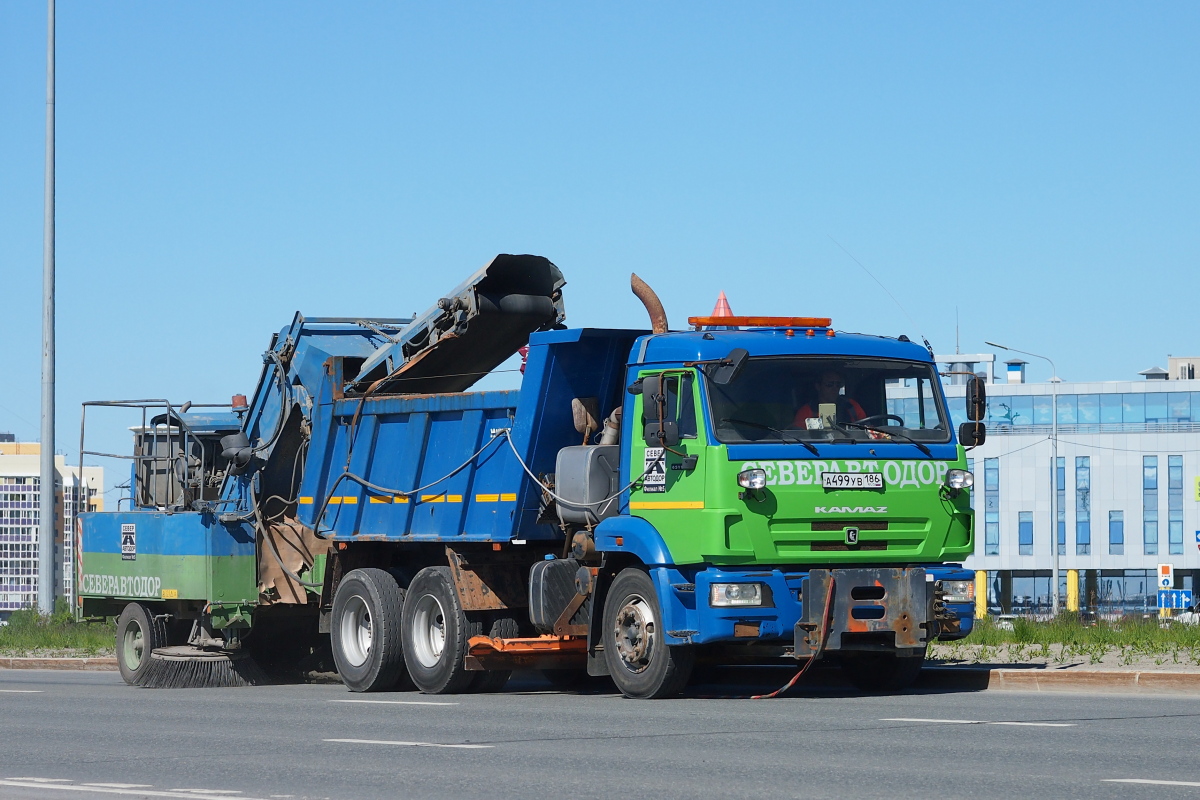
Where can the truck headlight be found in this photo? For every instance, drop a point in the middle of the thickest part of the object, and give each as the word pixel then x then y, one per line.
pixel 735 594
pixel 752 479
pixel 959 591
pixel 960 479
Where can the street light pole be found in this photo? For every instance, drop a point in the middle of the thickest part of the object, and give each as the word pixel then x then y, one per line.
pixel 46 526
pixel 1056 603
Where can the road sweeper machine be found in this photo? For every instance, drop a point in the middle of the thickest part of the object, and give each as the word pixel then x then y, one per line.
pixel 749 490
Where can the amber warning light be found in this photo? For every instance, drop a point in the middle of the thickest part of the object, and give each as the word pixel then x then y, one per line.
pixel 760 322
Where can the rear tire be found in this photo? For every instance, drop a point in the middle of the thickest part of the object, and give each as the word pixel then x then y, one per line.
pixel 639 662
pixel 493 680
pixel 365 632
pixel 138 634
pixel 881 672
pixel 435 634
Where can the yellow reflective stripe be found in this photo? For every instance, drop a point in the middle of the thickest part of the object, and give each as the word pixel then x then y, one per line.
pixel 433 498
pixel 454 498
pixel 664 505
pixel 487 498
pixel 304 501
pixel 508 498
pixel 400 498
pixel 333 501
pixel 381 498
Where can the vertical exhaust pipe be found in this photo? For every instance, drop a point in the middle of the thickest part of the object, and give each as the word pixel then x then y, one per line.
pixel 654 306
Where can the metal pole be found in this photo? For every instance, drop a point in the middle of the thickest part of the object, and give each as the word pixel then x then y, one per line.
pixel 1054 568
pixel 46 532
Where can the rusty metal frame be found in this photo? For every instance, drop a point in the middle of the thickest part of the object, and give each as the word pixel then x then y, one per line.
pixel 904 608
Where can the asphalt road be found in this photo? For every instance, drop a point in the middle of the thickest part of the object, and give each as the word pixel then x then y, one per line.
pixel 61 731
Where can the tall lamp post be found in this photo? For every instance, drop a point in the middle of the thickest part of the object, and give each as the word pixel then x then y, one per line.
pixel 46 526
pixel 1053 468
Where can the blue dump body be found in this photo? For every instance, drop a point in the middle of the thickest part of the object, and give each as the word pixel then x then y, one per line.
pixel 406 443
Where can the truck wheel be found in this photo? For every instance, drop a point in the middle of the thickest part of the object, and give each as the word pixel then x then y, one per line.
pixel 365 631
pixel 493 680
pixel 641 664
pixel 881 672
pixel 138 634
pixel 435 634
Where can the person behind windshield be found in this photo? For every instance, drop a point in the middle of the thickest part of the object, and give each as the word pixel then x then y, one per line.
pixel 829 390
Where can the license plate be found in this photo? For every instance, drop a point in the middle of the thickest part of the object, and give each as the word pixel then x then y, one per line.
pixel 852 480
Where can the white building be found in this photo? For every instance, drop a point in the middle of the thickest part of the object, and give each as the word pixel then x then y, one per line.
pixel 1123 495
pixel 20 467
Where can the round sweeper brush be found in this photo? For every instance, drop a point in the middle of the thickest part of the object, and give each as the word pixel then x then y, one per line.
pixel 196 668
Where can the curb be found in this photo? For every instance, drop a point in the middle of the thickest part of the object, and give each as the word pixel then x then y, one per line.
pixel 1040 680
pixel 105 664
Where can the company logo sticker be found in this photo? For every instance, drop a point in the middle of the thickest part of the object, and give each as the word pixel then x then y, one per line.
pixel 129 542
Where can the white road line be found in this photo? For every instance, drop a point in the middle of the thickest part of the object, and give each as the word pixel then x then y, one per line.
pixel 980 722
pixel 22 691
pixel 413 744
pixel 920 719
pixel 42 780
pixel 1153 782
pixel 56 785
pixel 121 785
pixel 396 702
pixel 208 791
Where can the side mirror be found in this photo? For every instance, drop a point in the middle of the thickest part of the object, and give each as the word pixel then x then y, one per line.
pixel 976 399
pixel 664 435
pixel 971 434
pixel 654 408
pixel 724 371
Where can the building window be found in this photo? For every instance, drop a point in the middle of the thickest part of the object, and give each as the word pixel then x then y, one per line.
pixel 1060 503
pixel 1116 533
pixel 1150 505
pixel 1083 505
pixel 1175 505
pixel 991 506
pixel 1025 532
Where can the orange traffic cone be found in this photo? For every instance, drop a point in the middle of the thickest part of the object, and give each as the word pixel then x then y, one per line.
pixel 722 308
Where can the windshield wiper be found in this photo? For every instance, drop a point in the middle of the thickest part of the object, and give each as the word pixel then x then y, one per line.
pixel 782 435
pixel 892 435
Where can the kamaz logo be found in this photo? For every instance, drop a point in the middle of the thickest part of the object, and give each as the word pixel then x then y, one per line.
pixel 850 510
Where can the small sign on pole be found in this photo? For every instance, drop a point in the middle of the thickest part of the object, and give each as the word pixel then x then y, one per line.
pixel 1166 576
pixel 1174 599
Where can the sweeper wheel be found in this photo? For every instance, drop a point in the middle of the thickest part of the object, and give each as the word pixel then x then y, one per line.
pixel 195 668
pixel 138 633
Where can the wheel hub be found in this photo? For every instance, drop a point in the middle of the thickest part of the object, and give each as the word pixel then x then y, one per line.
pixel 134 644
pixel 356 631
pixel 636 632
pixel 428 630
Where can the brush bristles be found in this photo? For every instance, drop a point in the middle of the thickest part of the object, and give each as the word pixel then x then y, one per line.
pixel 201 673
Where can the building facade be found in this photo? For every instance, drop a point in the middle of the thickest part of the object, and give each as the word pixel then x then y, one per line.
pixel 20 484
pixel 1115 486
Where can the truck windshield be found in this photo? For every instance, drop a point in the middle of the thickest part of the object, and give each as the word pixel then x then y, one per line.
pixel 806 399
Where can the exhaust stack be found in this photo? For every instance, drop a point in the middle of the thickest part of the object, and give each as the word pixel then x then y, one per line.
pixel 654 306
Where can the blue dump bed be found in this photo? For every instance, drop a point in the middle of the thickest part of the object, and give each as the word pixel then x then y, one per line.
pixel 384 468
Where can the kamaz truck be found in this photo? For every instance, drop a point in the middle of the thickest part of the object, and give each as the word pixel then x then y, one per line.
pixel 649 502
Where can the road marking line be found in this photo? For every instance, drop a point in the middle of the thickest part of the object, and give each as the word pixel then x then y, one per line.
pixel 1153 782
pixel 208 791
pixel 22 691
pixel 980 722
pixel 414 744
pixel 921 719
pixel 122 785
pixel 396 702
pixel 58 785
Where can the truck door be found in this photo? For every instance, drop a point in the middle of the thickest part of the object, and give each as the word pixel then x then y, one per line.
pixel 672 489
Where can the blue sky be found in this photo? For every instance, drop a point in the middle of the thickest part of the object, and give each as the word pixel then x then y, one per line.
pixel 221 165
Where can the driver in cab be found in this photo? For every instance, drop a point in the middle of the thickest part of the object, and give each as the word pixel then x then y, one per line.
pixel 829 386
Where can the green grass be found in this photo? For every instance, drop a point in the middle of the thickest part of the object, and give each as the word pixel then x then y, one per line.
pixel 30 633
pixel 1065 638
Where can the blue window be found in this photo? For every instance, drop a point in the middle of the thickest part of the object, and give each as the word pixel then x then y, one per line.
pixel 1156 407
pixel 991 504
pixel 1043 410
pixel 1110 409
pixel 1180 406
pixel 1022 410
pixel 1150 505
pixel 1068 409
pixel 1116 533
pixel 1175 505
pixel 1025 532
pixel 1060 503
pixel 1083 505
pixel 1133 408
pixel 1089 409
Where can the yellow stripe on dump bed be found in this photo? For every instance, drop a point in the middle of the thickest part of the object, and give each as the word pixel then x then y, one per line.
pixel 304 501
pixel 665 505
pixel 487 498
pixel 508 498
pixel 333 501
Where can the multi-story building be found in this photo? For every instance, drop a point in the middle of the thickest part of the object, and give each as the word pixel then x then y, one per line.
pixel 1117 492
pixel 20 484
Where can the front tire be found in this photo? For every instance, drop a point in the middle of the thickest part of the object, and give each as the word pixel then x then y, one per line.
pixel 365 632
pixel 138 634
pixel 435 634
pixel 641 664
